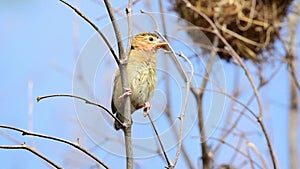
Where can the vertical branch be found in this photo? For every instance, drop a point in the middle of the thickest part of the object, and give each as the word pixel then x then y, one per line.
pixel 293 111
pixel 161 9
pixel 292 128
pixel 116 28
pixel 124 78
pixel 199 96
pixel 128 146
pixel 127 112
pixel 129 21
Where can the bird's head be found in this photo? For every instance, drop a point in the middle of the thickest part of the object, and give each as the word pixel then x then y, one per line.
pixel 147 41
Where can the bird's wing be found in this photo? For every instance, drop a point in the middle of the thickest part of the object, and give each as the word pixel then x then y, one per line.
pixel 113 106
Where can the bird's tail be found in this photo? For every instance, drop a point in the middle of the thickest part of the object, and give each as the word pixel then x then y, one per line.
pixel 117 124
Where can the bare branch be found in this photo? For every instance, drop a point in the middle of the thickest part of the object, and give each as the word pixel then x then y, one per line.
pixel 292 45
pixel 293 74
pixel 181 117
pixel 199 96
pixel 235 123
pixel 124 79
pixel 129 22
pixel 237 150
pixel 95 27
pixel 75 145
pixel 127 112
pixel 254 148
pixel 188 85
pixel 294 85
pixel 235 56
pixel 116 28
pixel 117 10
pixel 159 140
pixel 80 98
pixel 152 18
pixel 238 60
pixel 32 150
pixel 167 88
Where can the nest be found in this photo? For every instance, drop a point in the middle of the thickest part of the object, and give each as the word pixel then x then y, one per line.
pixel 250 26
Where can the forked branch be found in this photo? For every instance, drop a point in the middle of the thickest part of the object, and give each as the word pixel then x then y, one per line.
pixel 75 145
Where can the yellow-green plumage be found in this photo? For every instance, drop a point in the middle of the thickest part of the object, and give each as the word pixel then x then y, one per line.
pixel 141 72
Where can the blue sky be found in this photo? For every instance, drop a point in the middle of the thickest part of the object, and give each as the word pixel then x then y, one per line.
pixel 40 42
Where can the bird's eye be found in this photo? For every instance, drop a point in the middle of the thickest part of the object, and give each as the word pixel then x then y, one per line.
pixel 151 39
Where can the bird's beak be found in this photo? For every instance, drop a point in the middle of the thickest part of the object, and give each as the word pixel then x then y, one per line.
pixel 161 45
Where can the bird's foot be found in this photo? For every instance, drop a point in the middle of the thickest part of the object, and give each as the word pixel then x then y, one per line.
pixel 127 92
pixel 146 109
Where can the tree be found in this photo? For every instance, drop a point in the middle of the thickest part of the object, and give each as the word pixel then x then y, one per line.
pixel 215 103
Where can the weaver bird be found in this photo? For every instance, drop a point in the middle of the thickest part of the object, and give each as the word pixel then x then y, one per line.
pixel 141 72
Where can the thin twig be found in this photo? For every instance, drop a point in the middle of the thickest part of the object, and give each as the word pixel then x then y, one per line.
pixel 32 150
pixel 188 86
pixel 251 163
pixel 235 153
pixel 159 140
pixel 237 150
pixel 232 98
pixel 116 28
pixel 177 62
pixel 80 98
pixel 181 117
pixel 254 148
pixel 118 10
pixel 162 15
pixel 167 88
pixel 245 106
pixel 75 145
pixel 238 60
pixel 235 56
pixel 95 27
pixel 129 22
pixel 169 48
pixel 152 18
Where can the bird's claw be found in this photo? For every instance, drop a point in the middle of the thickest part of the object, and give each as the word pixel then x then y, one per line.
pixel 146 109
pixel 127 92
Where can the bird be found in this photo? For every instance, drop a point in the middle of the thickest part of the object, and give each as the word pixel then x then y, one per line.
pixel 141 74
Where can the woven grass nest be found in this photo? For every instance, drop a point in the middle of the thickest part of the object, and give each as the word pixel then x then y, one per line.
pixel 250 26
